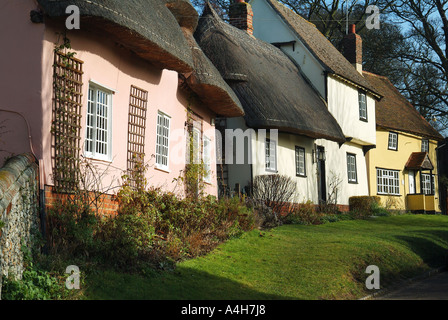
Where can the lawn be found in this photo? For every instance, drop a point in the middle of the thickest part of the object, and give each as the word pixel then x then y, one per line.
pixel 294 262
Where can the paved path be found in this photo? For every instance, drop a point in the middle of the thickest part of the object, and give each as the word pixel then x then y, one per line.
pixel 431 288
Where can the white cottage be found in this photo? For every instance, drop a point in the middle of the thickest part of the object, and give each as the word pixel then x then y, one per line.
pixel 284 114
pixel 339 81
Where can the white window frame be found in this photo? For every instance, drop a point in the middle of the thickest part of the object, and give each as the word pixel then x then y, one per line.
pixel 92 120
pixel 160 137
pixel 425 145
pixel 391 141
pixel 428 184
pixel 352 173
pixel 362 101
pixel 388 182
pixel 300 156
pixel 207 158
pixel 270 159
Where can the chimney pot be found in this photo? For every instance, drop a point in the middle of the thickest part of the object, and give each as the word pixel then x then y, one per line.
pixel 352 28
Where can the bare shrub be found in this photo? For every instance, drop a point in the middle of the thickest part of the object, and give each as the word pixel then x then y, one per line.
pixel 275 190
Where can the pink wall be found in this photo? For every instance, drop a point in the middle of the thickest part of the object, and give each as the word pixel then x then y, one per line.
pixel 20 83
pixel 112 67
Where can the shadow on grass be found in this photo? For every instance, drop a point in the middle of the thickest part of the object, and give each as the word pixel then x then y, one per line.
pixel 181 284
pixel 427 244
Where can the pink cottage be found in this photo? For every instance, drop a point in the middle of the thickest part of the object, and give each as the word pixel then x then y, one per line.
pixel 130 81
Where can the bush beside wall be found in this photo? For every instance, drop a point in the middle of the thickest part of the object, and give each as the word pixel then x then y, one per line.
pixel 363 203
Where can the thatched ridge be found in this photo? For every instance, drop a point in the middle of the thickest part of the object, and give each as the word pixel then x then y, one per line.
pixel 146 27
pixel 186 15
pixel 207 83
pixel 268 84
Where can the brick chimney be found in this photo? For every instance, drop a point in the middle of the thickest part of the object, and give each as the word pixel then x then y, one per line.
pixel 241 16
pixel 352 46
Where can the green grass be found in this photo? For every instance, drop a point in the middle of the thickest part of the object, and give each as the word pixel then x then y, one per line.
pixel 294 262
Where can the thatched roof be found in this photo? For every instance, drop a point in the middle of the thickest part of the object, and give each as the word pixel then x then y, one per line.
pixel 146 27
pixel 323 50
pixel 207 83
pixel 186 15
pixel 268 84
pixel 395 112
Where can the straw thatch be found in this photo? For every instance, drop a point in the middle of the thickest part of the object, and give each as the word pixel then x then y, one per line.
pixel 146 27
pixel 268 84
pixel 322 49
pixel 186 15
pixel 207 83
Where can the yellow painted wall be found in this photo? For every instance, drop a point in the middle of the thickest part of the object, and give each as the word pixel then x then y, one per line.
pixel 382 157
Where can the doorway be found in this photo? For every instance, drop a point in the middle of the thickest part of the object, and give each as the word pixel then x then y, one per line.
pixel 321 177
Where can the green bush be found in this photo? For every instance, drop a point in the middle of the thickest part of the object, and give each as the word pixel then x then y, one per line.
pixel 125 240
pixel 304 213
pixel 363 203
pixel 34 285
pixel 70 228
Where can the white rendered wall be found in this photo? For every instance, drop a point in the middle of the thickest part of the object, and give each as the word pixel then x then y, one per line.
pixel 344 106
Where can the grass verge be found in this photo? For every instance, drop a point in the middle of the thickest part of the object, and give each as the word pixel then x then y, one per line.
pixel 293 262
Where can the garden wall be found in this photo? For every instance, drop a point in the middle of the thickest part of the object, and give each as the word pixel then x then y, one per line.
pixel 19 211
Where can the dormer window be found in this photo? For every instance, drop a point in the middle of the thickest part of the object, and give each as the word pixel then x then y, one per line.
pixel 362 105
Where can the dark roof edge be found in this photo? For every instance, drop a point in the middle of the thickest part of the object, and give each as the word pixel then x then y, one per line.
pixel 423 135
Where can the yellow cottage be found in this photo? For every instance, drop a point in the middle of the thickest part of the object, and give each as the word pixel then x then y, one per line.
pixel 402 169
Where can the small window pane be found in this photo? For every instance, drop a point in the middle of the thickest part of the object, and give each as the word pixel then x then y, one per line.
pixel 162 140
pixel 393 140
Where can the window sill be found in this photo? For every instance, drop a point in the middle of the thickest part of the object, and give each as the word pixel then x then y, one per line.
pixel 166 170
pixel 301 175
pixel 271 171
pixel 93 158
pixel 353 182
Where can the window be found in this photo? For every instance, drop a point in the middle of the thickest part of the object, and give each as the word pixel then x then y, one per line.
pixel 271 155
pixel 388 181
pixel 300 162
pixel 362 106
pixel 99 119
pixel 425 145
pixel 351 168
pixel 207 160
pixel 393 141
pixel 162 141
pixel 196 146
pixel 427 184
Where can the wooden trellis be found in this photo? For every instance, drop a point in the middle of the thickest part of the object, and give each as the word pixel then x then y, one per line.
pixel 66 126
pixel 136 130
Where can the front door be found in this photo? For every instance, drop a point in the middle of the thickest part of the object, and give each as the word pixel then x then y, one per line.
pixel 411 182
pixel 321 178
